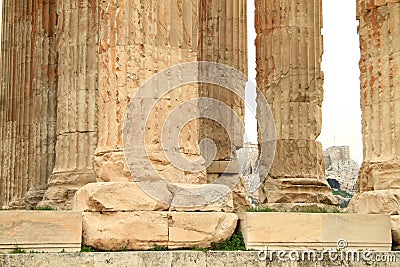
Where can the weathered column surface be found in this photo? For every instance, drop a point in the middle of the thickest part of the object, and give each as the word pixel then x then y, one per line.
pixel 379 180
pixel 77 44
pixel 224 40
pixel 289 54
pixel 27 96
pixel 71 67
pixel 137 40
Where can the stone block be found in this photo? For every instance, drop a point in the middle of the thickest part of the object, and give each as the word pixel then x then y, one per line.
pixel 153 196
pixel 376 202
pixel 301 231
pixel 121 197
pixel 199 230
pixel 116 231
pixel 48 231
pixel 210 197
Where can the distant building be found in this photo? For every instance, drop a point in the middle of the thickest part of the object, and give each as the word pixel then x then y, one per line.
pixel 341 168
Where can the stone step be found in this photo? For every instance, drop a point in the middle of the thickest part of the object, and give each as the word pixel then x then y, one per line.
pixel 116 231
pixel 40 231
pixel 299 231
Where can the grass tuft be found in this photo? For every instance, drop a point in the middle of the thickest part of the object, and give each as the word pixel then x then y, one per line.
pixel 87 249
pixel 44 208
pixel 235 243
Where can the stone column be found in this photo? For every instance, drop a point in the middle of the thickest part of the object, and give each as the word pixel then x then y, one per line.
pixel 77 44
pixel 138 39
pixel 289 54
pixel 379 179
pixel 42 117
pixel 28 101
pixel 223 39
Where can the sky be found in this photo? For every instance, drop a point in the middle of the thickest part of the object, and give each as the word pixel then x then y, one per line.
pixel 341 125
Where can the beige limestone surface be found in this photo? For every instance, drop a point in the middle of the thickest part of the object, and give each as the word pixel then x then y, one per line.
pixel 289 75
pixel 376 202
pixel 315 231
pixel 153 196
pixel 48 231
pixel 27 101
pixel 70 68
pixel 116 231
pixel 379 33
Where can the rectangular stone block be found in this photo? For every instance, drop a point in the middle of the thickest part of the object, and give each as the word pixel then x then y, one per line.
pixel 319 231
pixel 116 231
pixel 42 231
pixel 199 229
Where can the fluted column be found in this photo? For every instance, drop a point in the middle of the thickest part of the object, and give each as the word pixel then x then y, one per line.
pixel 379 180
pixel 28 101
pixel 77 44
pixel 138 39
pixel 289 54
pixel 157 35
pixel 42 131
pixel 223 29
pixel 223 40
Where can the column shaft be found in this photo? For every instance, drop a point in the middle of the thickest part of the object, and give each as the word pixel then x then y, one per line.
pixel 77 44
pixel 379 178
pixel 28 101
pixel 138 39
pixel 289 54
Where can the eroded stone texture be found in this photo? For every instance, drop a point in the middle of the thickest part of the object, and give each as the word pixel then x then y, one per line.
pixel 27 101
pixel 77 44
pixel 138 39
pixel 153 196
pixel 199 230
pixel 376 202
pixel 379 32
pixel 289 54
pixel 115 231
pixel 158 35
pixel 223 37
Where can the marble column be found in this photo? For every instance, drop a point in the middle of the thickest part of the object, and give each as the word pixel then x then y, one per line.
pixel 77 45
pixel 28 101
pixel 379 178
pixel 223 33
pixel 289 54
pixel 138 39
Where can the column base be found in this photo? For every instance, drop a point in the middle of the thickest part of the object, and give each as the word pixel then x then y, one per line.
pixel 376 202
pixel 34 197
pixel 62 188
pixel 379 176
pixel 296 190
pixel 16 204
pixel 111 167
